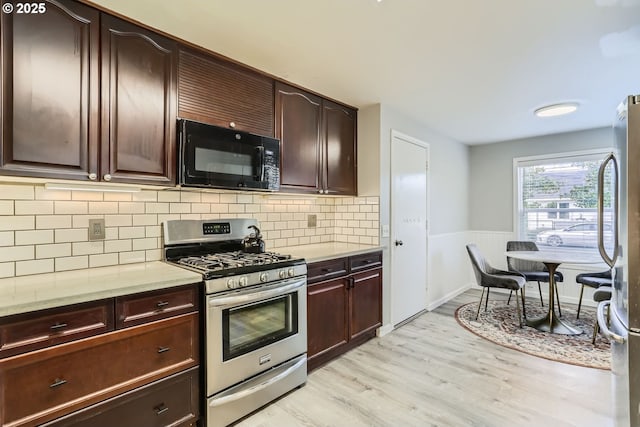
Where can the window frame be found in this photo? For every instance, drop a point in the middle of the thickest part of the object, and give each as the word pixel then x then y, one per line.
pixel 541 160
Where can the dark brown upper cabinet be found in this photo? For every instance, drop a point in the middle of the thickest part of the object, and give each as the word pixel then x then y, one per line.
pixel 49 79
pixel 211 90
pixel 138 104
pixel 318 143
pixel 78 104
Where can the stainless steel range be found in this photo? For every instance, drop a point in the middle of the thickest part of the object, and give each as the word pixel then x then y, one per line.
pixel 255 318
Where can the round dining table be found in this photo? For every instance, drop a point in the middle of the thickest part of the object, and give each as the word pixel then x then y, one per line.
pixel 551 322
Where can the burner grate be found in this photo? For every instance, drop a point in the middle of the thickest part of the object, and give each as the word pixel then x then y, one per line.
pixel 230 260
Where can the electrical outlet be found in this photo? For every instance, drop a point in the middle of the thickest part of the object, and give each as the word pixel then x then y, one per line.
pixel 385 230
pixel 312 220
pixel 96 229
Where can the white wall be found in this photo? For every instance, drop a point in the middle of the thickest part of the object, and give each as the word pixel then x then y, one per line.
pixel 448 193
pixel 491 172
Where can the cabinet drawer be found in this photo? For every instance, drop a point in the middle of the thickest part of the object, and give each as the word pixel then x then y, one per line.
pixel 324 270
pixel 64 378
pixel 149 306
pixel 365 261
pixel 172 401
pixel 31 331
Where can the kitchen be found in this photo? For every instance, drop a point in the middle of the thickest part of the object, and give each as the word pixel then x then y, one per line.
pixel 453 163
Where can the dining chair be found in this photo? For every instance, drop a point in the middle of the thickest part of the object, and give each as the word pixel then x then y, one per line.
pixel 603 293
pixel 488 277
pixel 593 280
pixel 533 271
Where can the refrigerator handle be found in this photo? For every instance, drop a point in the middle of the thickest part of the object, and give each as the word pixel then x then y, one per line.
pixel 602 323
pixel 616 207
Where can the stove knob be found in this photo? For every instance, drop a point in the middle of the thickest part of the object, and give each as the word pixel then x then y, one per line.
pixel 282 274
pixel 264 277
pixel 231 284
pixel 290 272
pixel 243 281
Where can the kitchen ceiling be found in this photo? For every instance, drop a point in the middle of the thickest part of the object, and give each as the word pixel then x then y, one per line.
pixel 474 71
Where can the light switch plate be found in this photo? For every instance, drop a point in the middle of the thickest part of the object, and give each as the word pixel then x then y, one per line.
pixel 96 229
pixel 312 220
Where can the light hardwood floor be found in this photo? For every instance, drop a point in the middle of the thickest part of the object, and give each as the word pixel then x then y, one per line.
pixel 432 372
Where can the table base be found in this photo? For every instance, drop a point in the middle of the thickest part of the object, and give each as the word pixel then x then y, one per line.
pixel 555 326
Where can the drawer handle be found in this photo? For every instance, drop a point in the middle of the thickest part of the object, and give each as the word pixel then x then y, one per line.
pixel 58 326
pixel 163 349
pixel 161 409
pixel 327 270
pixel 57 383
pixel 162 304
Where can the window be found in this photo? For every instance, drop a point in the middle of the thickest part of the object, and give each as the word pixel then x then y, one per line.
pixel 557 200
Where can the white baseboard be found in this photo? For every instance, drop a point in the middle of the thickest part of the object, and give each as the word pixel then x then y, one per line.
pixel 435 304
pixel 384 330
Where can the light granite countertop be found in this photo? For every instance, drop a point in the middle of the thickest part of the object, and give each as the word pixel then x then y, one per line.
pixel 40 291
pixel 323 251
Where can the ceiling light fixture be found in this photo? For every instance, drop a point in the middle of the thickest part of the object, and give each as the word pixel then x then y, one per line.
pixel 556 109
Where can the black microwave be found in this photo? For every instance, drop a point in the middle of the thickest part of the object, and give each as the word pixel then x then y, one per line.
pixel 217 157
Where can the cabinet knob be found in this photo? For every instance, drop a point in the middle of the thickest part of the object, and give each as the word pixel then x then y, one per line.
pixel 93 176
pixel 107 177
pixel 232 124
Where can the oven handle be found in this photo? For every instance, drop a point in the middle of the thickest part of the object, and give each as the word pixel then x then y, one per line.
pixel 256 296
pixel 244 393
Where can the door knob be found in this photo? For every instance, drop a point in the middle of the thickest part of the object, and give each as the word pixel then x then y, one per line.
pixel 399 243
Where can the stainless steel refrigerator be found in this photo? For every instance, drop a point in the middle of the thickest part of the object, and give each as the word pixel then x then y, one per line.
pixel 623 329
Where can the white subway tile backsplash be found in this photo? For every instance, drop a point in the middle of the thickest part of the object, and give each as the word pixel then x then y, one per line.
pixel 6 207
pixel 131 257
pixel 7 269
pixel 144 244
pixel 71 235
pixel 103 260
pixel 16 192
pixel 8 223
pixel 72 208
pixel 24 268
pixel 88 248
pixel 117 245
pixel 145 220
pixel 52 228
pixel 53 251
pixel 72 263
pixel 103 208
pixel 34 237
pixel 7 238
pixel 16 253
pixel 118 220
pixel 131 232
pixel 53 221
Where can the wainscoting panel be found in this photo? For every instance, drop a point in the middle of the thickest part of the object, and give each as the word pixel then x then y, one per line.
pixel 449 268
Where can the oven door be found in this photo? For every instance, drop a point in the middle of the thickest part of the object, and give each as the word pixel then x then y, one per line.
pixel 252 330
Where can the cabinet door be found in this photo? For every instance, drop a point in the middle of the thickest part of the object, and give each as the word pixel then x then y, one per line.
pixel 224 94
pixel 366 302
pixel 172 401
pixel 49 91
pixel 138 104
pixel 327 316
pixel 298 116
pixel 339 155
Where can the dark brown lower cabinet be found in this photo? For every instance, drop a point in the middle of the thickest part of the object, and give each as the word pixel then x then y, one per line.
pixel 172 401
pixel 342 312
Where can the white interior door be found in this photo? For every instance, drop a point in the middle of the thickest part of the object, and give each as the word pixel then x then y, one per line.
pixel 409 197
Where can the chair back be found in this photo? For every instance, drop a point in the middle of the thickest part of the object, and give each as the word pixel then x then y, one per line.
pixel 478 262
pixel 516 264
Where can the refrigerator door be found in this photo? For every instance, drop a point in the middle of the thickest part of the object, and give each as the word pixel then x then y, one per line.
pixel 626 284
pixel 625 370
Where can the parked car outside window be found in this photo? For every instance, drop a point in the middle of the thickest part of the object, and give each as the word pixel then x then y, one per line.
pixel 584 235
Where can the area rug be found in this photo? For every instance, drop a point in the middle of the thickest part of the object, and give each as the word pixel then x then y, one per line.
pixel 499 324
